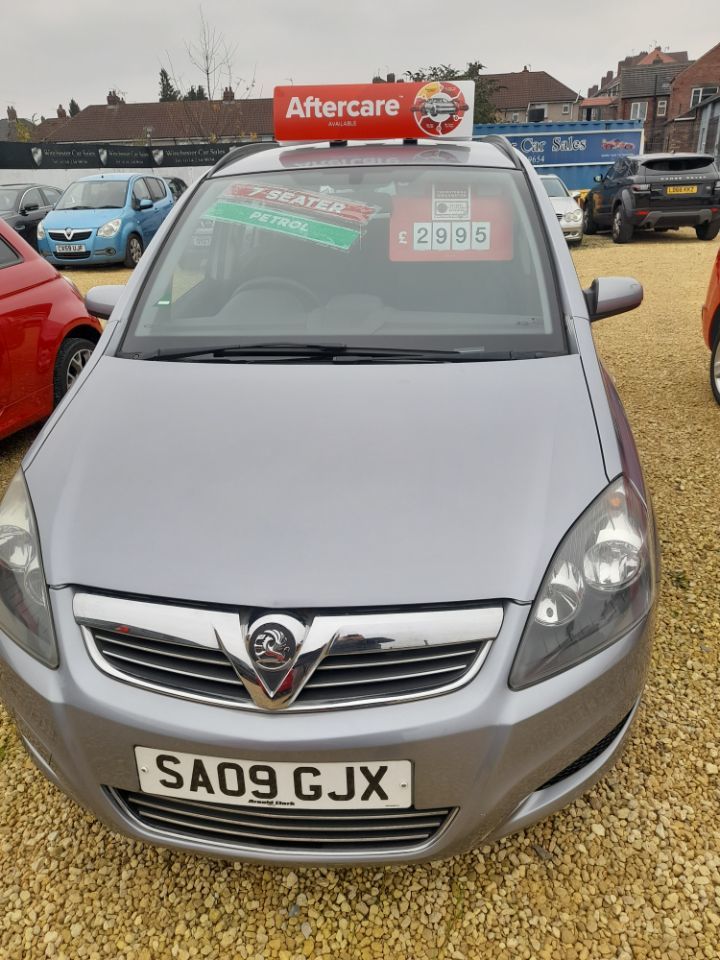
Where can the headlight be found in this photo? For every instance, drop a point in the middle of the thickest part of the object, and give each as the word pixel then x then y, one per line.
pixel 573 216
pixel 600 583
pixel 40 231
pixel 110 228
pixel 24 605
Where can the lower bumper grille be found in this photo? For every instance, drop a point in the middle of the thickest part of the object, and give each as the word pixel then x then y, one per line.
pixel 592 754
pixel 341 832
pixel 72 256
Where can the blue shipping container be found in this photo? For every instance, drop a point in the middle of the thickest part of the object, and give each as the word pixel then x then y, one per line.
pixel 576 152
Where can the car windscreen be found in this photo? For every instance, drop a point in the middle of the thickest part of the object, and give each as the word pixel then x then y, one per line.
pixel 394 256
pixel 554 187
pixel 680 164
pixel 94 195
pixel 9 198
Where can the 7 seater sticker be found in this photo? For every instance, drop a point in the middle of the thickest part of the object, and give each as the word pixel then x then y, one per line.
pixel 291 224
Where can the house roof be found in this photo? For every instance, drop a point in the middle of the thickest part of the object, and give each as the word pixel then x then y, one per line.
pixel 180 120
pixel 653 81
pixel 598 101
pixel 659 56
pixel 527 86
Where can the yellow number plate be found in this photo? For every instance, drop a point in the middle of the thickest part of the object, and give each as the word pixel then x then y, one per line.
pixel 681 189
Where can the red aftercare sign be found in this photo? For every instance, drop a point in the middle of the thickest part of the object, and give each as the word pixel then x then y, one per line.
pixel 375 111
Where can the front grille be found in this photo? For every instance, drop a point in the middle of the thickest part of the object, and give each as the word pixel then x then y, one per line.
pixel 181 667
pixel 77 236
pixel 374 674
pixel 293 831
pixel 71 256
pixel 592 754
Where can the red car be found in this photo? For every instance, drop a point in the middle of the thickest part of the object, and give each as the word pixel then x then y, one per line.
pixel 46 334
pixel 711 326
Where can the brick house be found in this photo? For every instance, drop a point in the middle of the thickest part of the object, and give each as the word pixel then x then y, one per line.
pixel 531 95
pixel 158 124
pixel 696 84
pixel 639 90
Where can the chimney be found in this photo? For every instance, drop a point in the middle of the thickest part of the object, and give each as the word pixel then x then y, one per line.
pixel 114 99
pixel 12 114
pixel 391 78
pixel 592 91
pixel 228 95
pixel 61 112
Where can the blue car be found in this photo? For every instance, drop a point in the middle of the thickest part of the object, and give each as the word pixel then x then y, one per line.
pixel 109 218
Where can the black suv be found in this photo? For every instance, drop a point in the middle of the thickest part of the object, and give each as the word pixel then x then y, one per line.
pixel 660 191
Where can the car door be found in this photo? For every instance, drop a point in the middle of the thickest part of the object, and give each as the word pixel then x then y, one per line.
pixel 32 209
pixel 25 371
pixel 144 218
pixel 161 202
pixel 51 197
pixel 605 193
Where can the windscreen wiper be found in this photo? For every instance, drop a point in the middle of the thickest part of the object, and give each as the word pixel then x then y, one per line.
pixel 337 352
pixel 294 350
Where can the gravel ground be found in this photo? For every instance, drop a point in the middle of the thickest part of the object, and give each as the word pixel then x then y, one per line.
pixel 632 870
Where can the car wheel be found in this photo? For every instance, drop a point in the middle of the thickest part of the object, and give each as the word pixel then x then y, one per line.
pixel 70 363
pixel 622 229
pixel 589 223
pixel 133 251
pixel 707 231
pixel 715 367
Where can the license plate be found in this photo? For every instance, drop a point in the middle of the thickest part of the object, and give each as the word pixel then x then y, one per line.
pixel 681 189
pixel 70 248
pixel 371 785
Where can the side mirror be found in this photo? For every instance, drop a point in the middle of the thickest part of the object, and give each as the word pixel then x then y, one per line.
pixel 608 296
pixel 101 301
pixel 598 178
pixel 145 204
pixel 29 208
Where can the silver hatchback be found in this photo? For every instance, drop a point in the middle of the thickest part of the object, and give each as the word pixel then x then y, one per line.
pixel 340 550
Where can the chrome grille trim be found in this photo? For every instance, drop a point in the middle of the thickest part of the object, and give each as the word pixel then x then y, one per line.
pixel 76 235
pixel 292 831
pixel 363 659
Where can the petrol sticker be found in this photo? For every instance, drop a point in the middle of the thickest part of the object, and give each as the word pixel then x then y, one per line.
pixel 292 225
pixel 303 200
pixel 417 231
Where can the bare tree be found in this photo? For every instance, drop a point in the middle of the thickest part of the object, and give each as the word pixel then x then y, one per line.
pixel 211 55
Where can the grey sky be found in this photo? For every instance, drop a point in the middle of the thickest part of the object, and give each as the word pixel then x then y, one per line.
pixel 81 48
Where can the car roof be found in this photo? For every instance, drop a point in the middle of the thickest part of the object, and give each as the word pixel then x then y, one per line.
pixel 479 153
pixel 111 176
pixel 24 185
pixel 672 156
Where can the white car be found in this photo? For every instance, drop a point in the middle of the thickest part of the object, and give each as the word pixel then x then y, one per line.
pixel 568 212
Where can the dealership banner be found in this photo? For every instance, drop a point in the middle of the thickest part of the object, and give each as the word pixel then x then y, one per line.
pixel 556 148
pixel 374 111
pixel 68 156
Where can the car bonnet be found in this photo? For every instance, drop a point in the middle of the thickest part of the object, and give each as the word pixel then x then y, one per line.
pixel 316 484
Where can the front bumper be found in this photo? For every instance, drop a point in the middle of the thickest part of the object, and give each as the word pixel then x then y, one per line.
pixel 98 250
pixel 484 752
pixel 573 232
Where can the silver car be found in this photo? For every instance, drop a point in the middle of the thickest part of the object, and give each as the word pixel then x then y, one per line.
pixel 567 209
pixel 339 551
